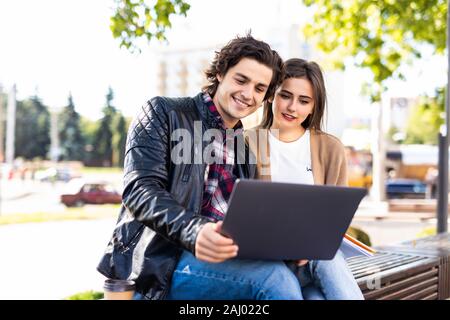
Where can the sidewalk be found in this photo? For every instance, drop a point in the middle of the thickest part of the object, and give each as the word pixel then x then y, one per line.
pixel 52 260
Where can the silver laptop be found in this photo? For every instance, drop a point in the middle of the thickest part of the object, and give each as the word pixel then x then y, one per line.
pixel 285 221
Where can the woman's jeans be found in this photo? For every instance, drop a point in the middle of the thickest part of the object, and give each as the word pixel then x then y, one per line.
pixel 328 279
pixel 242 279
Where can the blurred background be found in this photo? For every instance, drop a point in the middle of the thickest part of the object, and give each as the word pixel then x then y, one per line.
pixel 74 73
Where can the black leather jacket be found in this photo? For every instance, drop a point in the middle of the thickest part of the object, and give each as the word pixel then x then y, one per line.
pixel 161 201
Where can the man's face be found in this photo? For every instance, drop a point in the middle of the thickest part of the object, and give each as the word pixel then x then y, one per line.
pixel 241 90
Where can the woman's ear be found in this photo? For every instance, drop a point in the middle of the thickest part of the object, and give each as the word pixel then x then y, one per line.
pixel 219 77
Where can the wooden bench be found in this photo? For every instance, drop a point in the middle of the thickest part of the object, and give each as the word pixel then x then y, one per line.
pixel 412 270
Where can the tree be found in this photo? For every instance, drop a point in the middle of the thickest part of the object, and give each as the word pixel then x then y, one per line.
pixel 119 139
pixel 380 34
pixel 136 19
pixel 103 138
pixel 32 134
pixel 72 141
pixel 89 128
pixel 428 111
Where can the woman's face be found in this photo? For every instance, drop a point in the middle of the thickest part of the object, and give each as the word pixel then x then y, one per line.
pixel 293 102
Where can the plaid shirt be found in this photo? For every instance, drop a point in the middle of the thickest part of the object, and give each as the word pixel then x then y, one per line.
pixel 219 177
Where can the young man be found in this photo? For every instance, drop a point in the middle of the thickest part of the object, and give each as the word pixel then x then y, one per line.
pixel 168 236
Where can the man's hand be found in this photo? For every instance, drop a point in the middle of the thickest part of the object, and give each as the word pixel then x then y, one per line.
pixel 211 246
pixel 301 263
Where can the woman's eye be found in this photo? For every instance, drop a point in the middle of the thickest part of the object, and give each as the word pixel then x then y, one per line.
pixel 284 96
pixel 240 81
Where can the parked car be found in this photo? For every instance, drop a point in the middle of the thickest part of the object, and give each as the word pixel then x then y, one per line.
pixel 405 188
pixel 54 174
pixel 92 193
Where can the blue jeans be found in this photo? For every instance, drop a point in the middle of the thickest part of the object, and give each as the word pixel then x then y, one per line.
pixel 328 280
pixel 237 279
pixel 262 280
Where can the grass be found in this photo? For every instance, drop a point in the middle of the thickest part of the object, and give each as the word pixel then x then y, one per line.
pixel 83 213
pixel 86 295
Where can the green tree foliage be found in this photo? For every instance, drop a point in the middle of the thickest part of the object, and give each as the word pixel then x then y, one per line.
pixel 89 128
pixel 426 119
pixel 380 34
pixel 144 19
pixel 72 141
pixel 32 133
pixel 103 149
pixel 109 138
pixel 119 139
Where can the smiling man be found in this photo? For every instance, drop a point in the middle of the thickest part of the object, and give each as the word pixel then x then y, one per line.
pixel 168 238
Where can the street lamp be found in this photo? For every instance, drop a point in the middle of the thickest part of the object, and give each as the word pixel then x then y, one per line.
pixel 55 150
pixel 442 205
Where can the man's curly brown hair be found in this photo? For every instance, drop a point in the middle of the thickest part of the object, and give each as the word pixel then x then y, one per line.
pixel 234 51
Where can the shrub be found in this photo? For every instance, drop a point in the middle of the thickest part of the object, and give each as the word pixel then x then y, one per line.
pixel 86 295
pixel 359 235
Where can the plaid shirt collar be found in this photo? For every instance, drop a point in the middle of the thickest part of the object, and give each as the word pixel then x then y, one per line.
pixel 215 115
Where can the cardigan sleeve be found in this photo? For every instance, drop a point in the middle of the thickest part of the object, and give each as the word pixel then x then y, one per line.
pixel 336 164
pixel 342 179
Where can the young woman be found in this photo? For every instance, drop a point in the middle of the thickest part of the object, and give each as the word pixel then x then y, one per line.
pixel 291 147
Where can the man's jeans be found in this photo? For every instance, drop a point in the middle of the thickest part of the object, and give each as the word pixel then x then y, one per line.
pixel 261 280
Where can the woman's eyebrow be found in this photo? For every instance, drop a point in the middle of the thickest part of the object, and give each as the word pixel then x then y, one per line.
pixel 286 92
pixel 290 93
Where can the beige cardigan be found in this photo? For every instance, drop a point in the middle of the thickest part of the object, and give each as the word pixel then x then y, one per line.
pixel 328 161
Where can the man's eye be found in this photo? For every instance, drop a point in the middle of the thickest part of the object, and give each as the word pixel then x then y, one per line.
pixel 240 81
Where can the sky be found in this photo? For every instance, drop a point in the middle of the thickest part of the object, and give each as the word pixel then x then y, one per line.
pixel 52 47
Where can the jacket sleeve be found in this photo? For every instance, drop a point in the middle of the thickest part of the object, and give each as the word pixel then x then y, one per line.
pixel 146 179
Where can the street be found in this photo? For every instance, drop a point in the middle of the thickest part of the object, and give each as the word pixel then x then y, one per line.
pixel 30 196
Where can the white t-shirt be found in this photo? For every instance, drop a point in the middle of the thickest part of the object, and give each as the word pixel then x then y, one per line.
pixel 291 161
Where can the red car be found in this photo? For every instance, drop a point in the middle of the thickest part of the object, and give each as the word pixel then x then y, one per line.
pixel 92 193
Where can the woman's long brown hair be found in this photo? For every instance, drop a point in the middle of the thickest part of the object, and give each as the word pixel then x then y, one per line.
pixel 309 70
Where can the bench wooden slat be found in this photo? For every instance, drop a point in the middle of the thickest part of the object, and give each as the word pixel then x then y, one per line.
pixel 433 296
pixel 420 295
pixel 402 284
pixel 383 262
pixel 359 272
pixel 396 294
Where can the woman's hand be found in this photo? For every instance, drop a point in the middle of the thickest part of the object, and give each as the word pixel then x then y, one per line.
pixel 301 263
pixel 211 246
